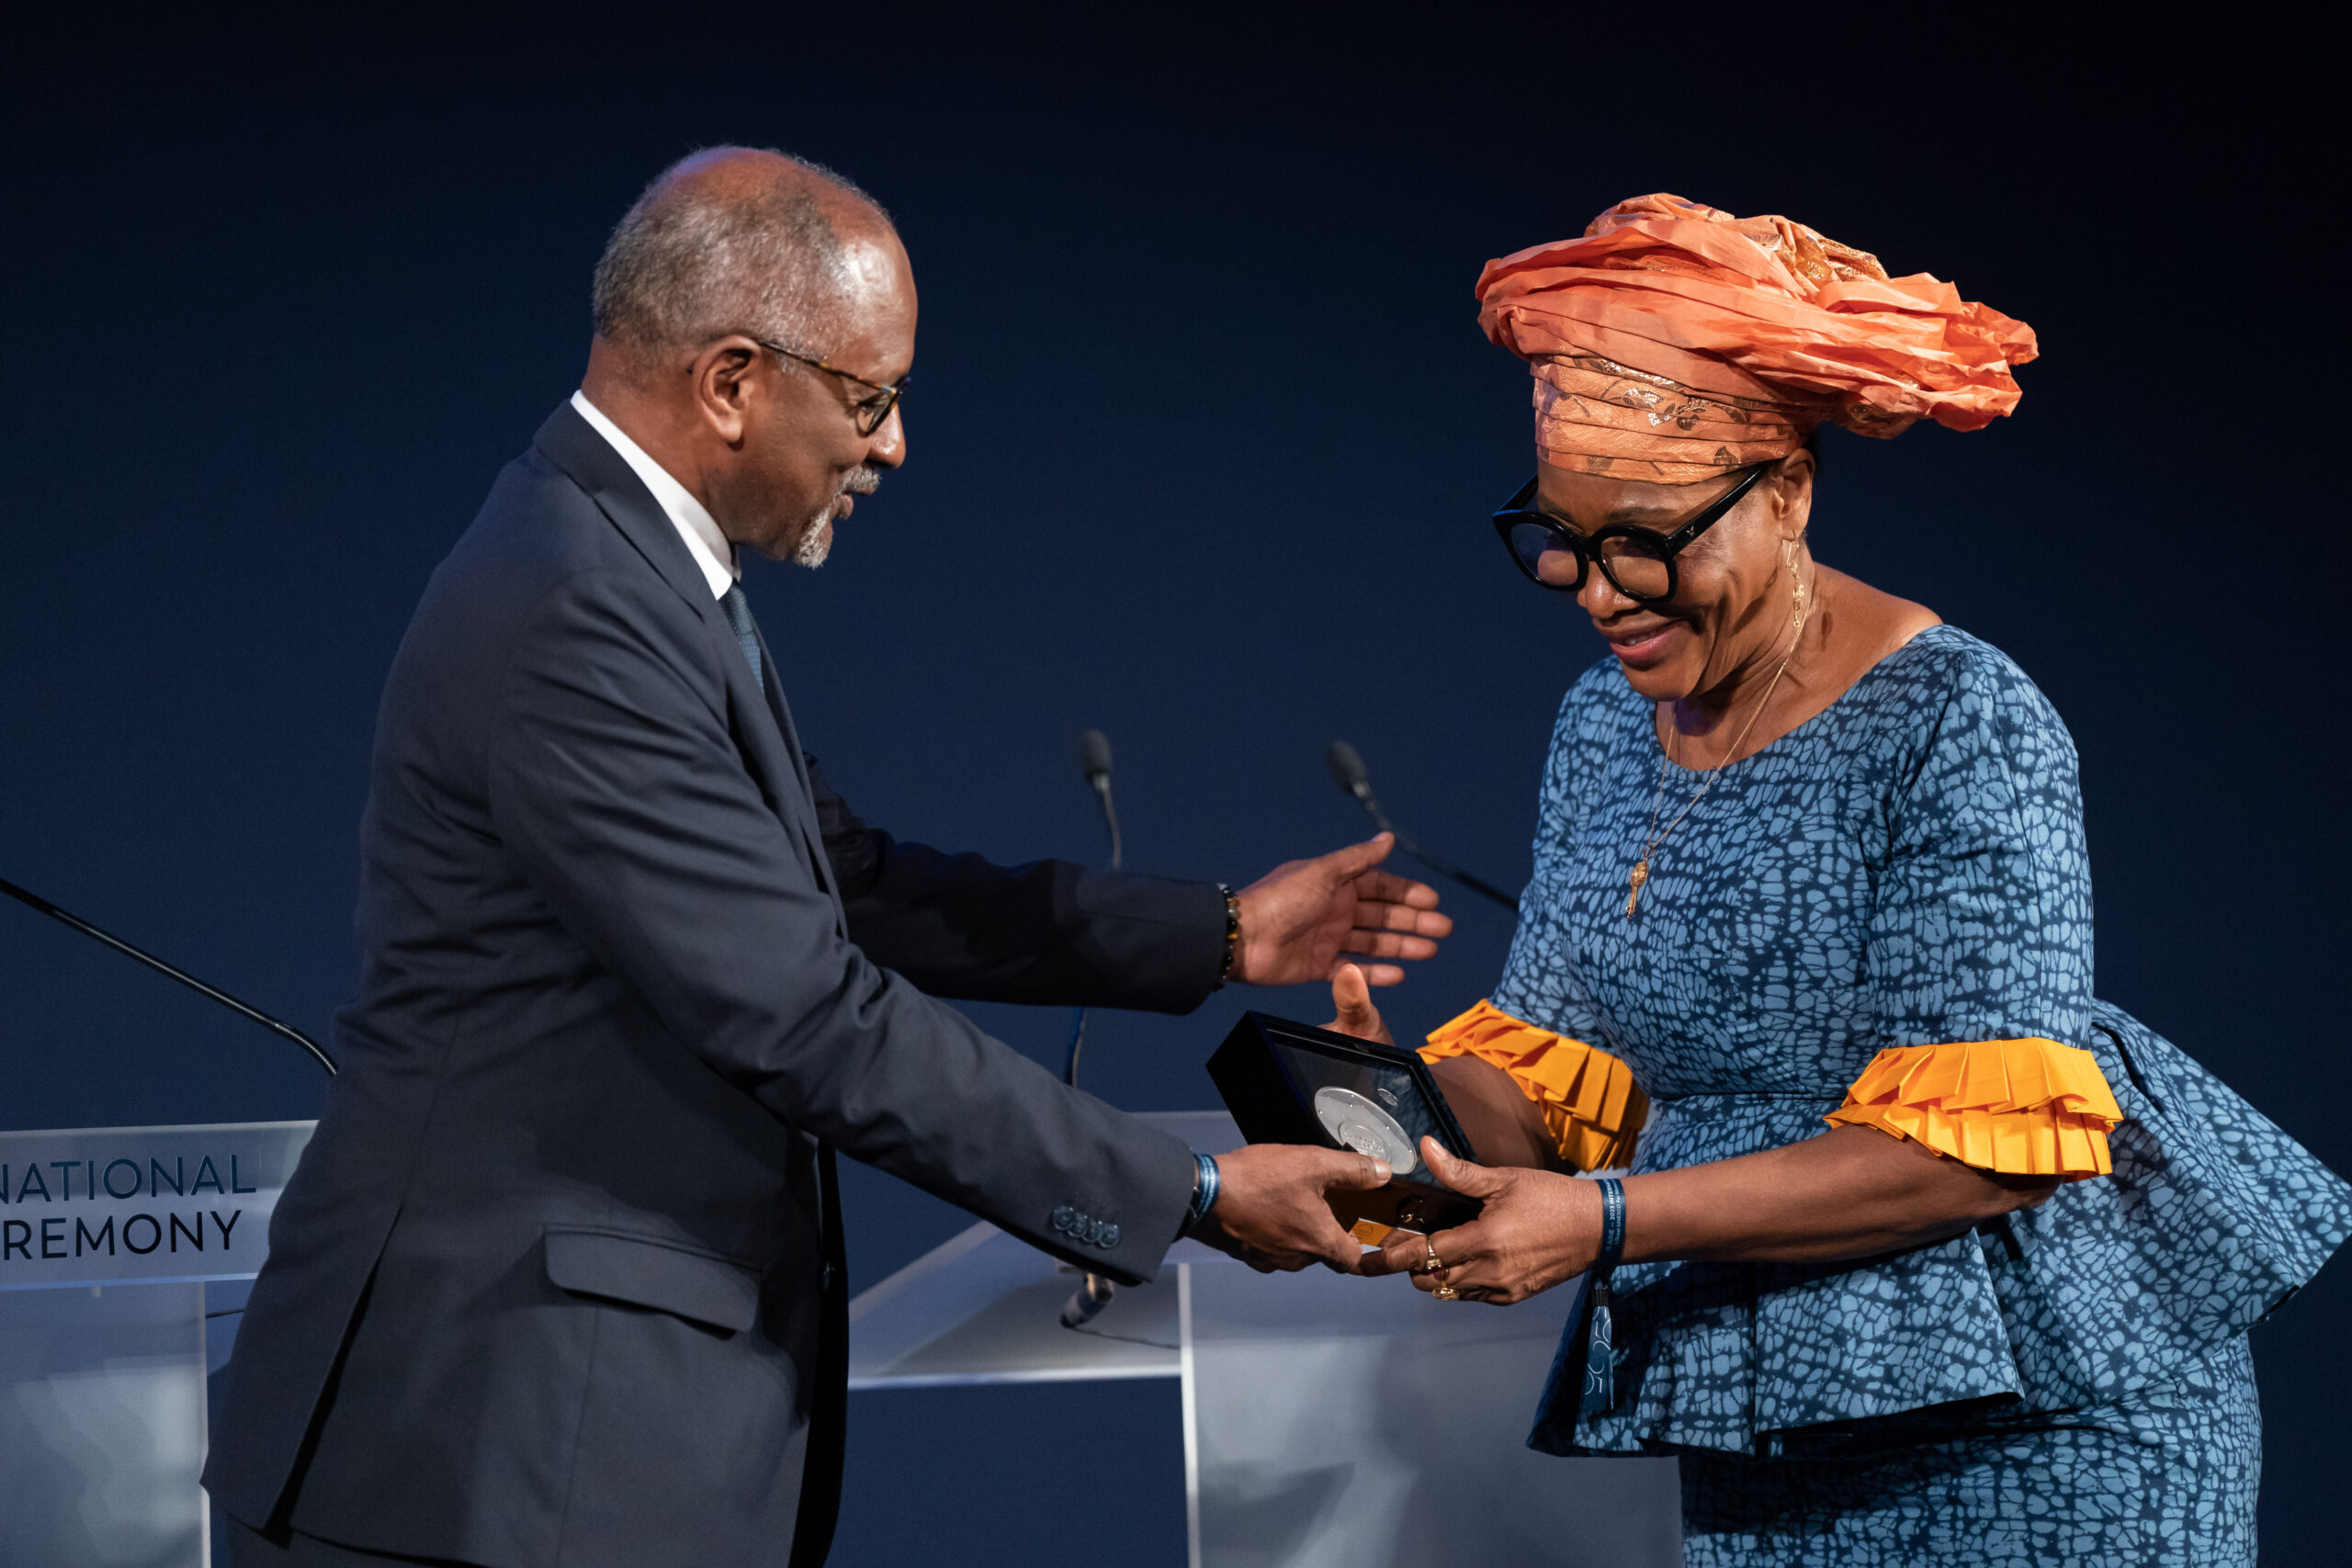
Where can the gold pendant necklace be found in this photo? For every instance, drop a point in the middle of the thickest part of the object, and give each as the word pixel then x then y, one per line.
pixel 1639 876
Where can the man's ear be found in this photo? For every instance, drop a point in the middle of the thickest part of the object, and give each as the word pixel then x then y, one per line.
pixel 720 373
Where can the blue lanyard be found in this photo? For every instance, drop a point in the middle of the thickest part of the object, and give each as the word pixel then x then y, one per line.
pixel 1599 1344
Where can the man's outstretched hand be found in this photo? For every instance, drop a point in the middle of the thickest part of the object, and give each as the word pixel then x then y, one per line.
pixel 1272 1210
pixel 1300 918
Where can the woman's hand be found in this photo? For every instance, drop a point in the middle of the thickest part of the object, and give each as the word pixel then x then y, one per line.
pixel 1537 1229
pixel 1503 1124
pixel 1351 999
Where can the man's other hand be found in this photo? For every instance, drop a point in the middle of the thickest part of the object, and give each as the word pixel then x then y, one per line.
pixel 1272 1212
pixel 1298 918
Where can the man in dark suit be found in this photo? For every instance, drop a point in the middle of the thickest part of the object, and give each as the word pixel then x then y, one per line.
pixel 558 1282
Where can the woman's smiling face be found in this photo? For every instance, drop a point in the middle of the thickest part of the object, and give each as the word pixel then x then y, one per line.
pixel 1730 608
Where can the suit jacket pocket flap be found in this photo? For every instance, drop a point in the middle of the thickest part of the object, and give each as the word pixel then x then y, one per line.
pixel 699 1286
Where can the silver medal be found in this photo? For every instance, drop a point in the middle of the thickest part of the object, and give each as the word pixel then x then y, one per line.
pixel 1357 1124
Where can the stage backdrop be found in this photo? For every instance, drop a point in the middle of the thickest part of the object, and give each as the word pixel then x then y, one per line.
pixel 1204 438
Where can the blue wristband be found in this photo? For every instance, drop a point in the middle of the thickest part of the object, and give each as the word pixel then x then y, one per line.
pixel 1204 1192
pixel 1613 1224
pixel 1601 1353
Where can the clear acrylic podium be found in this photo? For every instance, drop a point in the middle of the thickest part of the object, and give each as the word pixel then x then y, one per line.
pixel 123 1256
pixel 1328 1420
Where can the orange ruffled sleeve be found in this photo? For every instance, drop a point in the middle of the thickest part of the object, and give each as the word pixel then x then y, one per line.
pixel 1590 1104
pixel 2021 1107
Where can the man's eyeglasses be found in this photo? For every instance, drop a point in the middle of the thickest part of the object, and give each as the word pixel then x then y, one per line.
pixel 1638 562
pixel 869 411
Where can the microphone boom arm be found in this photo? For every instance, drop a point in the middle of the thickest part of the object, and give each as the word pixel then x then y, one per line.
pixel 1348 769
pixel 35 901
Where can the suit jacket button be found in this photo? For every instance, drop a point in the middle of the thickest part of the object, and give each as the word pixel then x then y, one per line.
pixel 1064 1218
pixel 1110 1237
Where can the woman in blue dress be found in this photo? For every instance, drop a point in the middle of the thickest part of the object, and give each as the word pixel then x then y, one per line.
pixel 1807 855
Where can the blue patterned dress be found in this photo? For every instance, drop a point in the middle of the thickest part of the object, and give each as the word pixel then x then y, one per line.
pixel 2070 1384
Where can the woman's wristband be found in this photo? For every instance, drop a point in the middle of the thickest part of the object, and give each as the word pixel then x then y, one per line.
pixel 1613 1224
pixel 1601 1353
pixel 1203 1193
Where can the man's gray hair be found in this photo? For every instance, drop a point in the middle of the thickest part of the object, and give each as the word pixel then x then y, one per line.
pixel 689 262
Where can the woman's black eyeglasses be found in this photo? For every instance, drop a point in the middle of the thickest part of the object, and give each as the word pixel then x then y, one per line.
pixel 869 413
pixel 1638 562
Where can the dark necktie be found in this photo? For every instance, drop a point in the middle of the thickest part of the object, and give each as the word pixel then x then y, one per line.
pixel 738 610
pixel 820 1478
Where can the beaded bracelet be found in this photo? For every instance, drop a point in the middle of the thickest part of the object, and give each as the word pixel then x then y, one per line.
pixel 1232 933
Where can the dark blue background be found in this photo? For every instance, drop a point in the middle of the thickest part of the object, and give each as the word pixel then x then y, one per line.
pixel 1204 436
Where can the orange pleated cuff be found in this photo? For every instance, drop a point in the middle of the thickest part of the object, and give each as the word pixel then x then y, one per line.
pixel 1590 1104
pixel 2020 1107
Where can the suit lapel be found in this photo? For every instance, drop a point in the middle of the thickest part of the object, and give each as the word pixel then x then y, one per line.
pixel 757 714
pixel 812 832
pixel 763 726
pixel 571 443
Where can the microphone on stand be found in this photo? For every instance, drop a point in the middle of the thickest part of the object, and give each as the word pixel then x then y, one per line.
pixel 1094 764
pixel 35 901
pixel 1095 1292
pixel 1095 767
pixel 1348 773
pixel 1086 1302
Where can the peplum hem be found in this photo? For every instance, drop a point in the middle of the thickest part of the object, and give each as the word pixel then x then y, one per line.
pixel 2028 1106
pixel 1590 1105
pixel 2211 1218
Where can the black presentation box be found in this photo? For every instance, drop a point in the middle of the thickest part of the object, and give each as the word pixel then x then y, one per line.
pixel 1292 1083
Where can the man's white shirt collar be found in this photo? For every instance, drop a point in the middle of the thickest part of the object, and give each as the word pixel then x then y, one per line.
pixel 712 550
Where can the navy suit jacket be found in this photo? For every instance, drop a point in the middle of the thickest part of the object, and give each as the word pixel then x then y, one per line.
pixel 558 1282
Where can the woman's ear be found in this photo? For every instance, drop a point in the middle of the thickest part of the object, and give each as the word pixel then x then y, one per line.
pixel 1792 495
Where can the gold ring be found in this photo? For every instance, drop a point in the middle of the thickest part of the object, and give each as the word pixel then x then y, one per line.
pixel 1430 1247
pixel 1446 1293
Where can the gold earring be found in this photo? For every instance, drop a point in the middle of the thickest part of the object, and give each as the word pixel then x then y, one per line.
pixel 1796 582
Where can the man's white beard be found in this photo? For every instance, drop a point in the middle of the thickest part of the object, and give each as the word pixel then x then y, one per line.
pixel 816 541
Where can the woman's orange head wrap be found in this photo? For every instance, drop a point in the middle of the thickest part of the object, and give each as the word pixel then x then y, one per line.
pixel 1674 342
